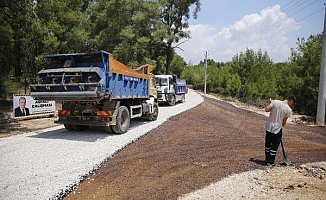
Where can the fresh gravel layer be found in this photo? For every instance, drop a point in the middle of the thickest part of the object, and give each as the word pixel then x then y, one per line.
pixel 47 164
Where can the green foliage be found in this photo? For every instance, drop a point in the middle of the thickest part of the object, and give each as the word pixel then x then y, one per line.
pixel 257 74
pixel 230 82
pixel 195 76
pixel 33 28
pixel 305 64
pixel 178 65
pixel 8 87
pixel 63 25
pixel 221 80
pixel 6 43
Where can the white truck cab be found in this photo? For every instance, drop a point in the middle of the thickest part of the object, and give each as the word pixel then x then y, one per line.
pixel 170 89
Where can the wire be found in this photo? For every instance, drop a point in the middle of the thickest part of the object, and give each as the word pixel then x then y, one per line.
pixel 265 22
pixel 257 28
pixel 298 22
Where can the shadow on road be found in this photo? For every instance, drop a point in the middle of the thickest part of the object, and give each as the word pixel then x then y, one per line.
pixel 258 161
pixel 93 134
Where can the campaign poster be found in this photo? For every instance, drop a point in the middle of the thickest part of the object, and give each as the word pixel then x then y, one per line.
pixel 24 105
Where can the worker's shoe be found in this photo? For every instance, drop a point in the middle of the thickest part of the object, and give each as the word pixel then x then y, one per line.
pixel 270 163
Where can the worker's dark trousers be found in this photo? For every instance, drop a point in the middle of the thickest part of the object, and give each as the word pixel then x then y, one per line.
pixel 272 141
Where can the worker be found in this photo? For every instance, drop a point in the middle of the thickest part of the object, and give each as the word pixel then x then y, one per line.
pixel 280 111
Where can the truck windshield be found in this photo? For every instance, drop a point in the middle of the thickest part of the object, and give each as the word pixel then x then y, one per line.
pixel 161 81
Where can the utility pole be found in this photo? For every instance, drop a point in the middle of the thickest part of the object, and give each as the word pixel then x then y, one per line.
pixel 205 72
pixel 321 107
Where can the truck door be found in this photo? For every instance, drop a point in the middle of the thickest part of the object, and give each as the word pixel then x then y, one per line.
pixel 171 86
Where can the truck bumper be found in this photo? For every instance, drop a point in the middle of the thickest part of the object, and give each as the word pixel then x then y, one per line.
pixel 85 120
pixel 163 97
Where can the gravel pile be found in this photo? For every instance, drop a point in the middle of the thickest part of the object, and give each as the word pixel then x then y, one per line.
pixel 50 163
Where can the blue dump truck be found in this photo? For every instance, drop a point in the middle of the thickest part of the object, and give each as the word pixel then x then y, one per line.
pixel 97 90
pixel 170 89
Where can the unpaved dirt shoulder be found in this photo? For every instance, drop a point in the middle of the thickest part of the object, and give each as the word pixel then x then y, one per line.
pixel 304 182
pixel 295 118
pixel 15 127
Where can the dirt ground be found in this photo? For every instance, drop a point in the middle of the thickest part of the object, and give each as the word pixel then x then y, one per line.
pixel 202 146
pixel 14 127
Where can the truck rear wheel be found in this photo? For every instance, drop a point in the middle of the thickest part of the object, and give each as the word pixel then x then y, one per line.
pixel 79 127
pixel 68 127
pixel 153 116
pixel 123 121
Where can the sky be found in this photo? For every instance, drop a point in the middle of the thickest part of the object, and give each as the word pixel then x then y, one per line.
pixel 225 28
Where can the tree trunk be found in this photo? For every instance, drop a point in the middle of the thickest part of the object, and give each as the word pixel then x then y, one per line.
pixel 169 56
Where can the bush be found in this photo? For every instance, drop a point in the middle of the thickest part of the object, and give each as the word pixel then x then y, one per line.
pixel 8 87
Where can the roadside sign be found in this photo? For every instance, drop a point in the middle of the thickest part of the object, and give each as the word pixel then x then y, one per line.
pixel 25 105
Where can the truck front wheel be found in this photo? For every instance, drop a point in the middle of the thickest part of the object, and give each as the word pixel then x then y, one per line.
pixel 172 101
pixel 183 98
pixel 153 116
pixel 123 121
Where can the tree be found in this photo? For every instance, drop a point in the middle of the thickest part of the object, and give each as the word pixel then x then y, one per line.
pixel 258 75
pixel 174 16
pixel 178 65
pixel 17 18
pixel 305 63
pixel 65 25
pixel 6 44
pixel 194 76
pixel 125 28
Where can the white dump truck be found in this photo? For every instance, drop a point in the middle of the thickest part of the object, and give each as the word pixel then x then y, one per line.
pixel 170 89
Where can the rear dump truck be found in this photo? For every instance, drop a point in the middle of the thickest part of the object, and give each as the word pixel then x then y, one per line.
pixel 97 90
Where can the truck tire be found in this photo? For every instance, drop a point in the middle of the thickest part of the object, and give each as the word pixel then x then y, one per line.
pixel 79 127
pixel 123 121
pixel 172 102
pixel 108 129
pixel 153 116
pixel 68 127
pixel 183 98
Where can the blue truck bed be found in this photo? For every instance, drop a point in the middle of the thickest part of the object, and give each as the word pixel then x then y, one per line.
pixel 181 85
pixel 90 76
